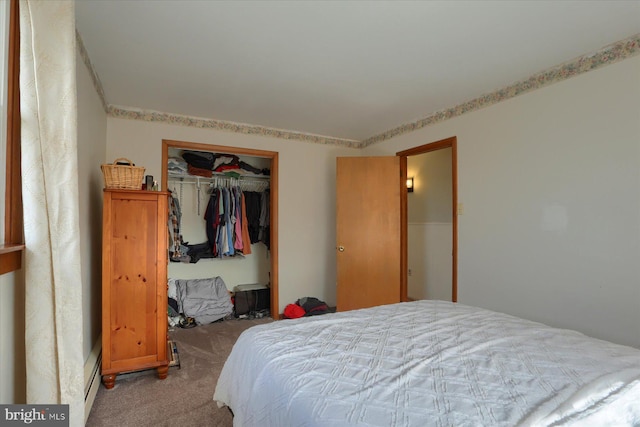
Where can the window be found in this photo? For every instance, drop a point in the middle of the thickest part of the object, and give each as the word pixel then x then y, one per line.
pixel 11 250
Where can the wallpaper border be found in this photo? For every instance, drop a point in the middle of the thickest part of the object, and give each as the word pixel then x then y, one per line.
pixel 204 123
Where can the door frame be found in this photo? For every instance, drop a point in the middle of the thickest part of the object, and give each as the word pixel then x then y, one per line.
pixel 452 143
pixel 273 191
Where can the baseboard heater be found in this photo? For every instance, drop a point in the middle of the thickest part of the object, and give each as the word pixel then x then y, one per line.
pixel 92 377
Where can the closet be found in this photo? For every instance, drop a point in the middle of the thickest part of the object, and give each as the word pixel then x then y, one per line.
pixel 199 190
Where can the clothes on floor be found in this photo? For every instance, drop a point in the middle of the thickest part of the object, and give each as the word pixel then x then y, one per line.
pixel 205 300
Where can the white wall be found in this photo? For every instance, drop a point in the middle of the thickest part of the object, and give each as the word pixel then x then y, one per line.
pixel 429 260
pixel 429 228
pixel 431 198
pixel 306 204
pixel 550 182
pixel 92 139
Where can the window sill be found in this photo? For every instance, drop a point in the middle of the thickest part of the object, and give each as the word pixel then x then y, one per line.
pixel 10 257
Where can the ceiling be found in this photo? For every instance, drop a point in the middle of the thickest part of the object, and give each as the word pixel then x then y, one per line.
pixel 342 69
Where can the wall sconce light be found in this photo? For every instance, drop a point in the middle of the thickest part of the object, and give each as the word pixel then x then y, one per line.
pixel 410 185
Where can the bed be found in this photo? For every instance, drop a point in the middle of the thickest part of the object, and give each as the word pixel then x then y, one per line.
pixel 427 363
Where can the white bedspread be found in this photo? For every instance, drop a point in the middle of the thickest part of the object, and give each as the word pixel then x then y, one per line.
pixel 427 363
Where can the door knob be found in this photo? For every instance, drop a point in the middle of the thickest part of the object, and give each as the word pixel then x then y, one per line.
pixel 341 248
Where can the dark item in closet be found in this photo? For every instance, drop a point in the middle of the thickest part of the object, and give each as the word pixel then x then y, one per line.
pixel 265 233
pixel 253 204
pixel 173 304
pixel 246 166
pixel 212 219
pixel 199 251
pixel 251 300
pixel 185 259
pixel 192 170
pixel 199 159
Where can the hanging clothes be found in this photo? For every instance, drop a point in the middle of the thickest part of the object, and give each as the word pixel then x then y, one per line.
pixel 253 214
pixel 246 240
pixel 264 234
pixel 228 226
pixel 234 219
pixel 175 238
pixel 223 222
pixel 237 229
pixel 211 219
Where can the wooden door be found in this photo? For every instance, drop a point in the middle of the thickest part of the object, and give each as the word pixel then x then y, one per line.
pixel 367 231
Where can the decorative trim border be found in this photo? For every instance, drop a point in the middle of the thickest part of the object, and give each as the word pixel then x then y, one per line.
pixel 122 112
pixel 97 84
pixel 608 55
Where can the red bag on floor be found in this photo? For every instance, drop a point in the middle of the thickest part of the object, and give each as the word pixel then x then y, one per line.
pixel 293 311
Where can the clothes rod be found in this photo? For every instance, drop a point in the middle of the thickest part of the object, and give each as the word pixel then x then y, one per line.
pixel 195 178
pixel 220 180
pixel 245 183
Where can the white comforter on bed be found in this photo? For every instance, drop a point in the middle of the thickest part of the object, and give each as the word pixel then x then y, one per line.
pixel 427 363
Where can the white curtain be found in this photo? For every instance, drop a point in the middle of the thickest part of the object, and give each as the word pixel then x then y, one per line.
pixel 55 372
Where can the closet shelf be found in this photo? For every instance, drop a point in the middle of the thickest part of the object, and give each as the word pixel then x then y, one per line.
pixel 217 176
pixel 245 182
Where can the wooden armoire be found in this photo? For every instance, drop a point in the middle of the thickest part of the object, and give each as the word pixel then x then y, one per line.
pixel 134 283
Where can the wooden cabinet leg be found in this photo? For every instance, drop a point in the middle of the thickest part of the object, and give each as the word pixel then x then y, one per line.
pixel 109 381
pixel 163 371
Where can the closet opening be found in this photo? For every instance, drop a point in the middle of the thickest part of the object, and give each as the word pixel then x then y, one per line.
pixel 248 176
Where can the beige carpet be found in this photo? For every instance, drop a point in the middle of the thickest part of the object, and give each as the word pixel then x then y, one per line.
pixel 185 398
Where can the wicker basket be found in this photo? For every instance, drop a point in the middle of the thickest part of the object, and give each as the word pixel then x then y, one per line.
pixel 122 176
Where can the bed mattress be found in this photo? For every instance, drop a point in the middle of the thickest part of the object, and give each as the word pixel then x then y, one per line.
pixel 431 363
